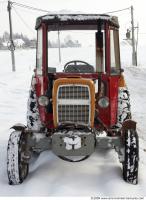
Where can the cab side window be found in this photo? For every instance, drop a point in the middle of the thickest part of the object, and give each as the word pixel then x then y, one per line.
pixel 114 52
pixel 39 51
pixel 100 51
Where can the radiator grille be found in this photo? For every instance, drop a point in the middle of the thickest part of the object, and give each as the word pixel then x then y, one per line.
pixel 73 92
pixel 73 104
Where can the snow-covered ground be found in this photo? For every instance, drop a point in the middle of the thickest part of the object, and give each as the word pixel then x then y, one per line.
pixel 101 174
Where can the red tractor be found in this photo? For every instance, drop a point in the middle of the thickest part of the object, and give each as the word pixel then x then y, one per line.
pixel 82 108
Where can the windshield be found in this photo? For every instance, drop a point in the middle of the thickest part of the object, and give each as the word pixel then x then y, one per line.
pixel 65 46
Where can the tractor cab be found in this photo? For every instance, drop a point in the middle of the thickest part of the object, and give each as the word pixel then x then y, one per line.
pixel 103 74
pixel 80 103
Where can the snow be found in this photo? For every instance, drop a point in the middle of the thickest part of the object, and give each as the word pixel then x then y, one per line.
pixel 100 174
pixel 78 17
pixel 13 150
pixel 5 44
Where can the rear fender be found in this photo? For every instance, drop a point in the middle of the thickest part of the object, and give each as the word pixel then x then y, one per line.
pixel 128 124
pixel 18 127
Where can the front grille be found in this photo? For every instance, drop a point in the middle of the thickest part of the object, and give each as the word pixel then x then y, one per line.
pixel 73 92
pixel 73 104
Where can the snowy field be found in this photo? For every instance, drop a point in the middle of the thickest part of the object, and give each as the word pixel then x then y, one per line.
pixel 101 174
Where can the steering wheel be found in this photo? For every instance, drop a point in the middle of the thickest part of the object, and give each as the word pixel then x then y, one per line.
pixel 76 66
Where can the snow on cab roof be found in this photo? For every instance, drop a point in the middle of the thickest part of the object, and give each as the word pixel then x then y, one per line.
pixel 70 20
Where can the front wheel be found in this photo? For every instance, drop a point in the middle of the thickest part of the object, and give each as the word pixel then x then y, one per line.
pixel 130 164
pixel 17 169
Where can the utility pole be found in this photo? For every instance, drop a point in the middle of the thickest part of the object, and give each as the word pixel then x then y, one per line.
pixel 137 41
pixel 59 46
pixel 11 43
pixel 134 53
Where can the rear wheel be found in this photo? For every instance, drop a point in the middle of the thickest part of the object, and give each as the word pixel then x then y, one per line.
pixel 130 164
pixel 33 117
pixel 124 107
pixel 17 169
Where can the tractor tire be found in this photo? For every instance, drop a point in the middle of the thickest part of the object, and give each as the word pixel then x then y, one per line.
pixel 124 107
pixel 33 117
pixel 17 169
pixel 130 164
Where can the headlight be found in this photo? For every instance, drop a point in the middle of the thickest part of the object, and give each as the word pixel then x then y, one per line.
pixel 103 102
pixel 43 101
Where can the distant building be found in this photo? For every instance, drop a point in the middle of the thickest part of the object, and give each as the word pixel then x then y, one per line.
pixel 19 43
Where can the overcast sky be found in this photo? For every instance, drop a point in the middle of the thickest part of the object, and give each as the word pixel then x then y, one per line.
pixel 24 20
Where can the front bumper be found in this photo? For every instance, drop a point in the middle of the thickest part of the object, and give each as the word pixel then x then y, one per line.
pixel 73 145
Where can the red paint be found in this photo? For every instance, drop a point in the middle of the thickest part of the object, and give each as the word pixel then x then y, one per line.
pixel 45 49
pixel 42 80
pixel 113 96
pixel 104 112
pixel 93 76
pixel 107 47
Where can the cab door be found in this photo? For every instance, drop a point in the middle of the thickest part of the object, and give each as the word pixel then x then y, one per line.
pixel 41 67
pixel 115 72
pixel 108 68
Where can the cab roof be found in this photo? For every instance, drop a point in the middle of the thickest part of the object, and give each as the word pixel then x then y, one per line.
pixel 75 21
